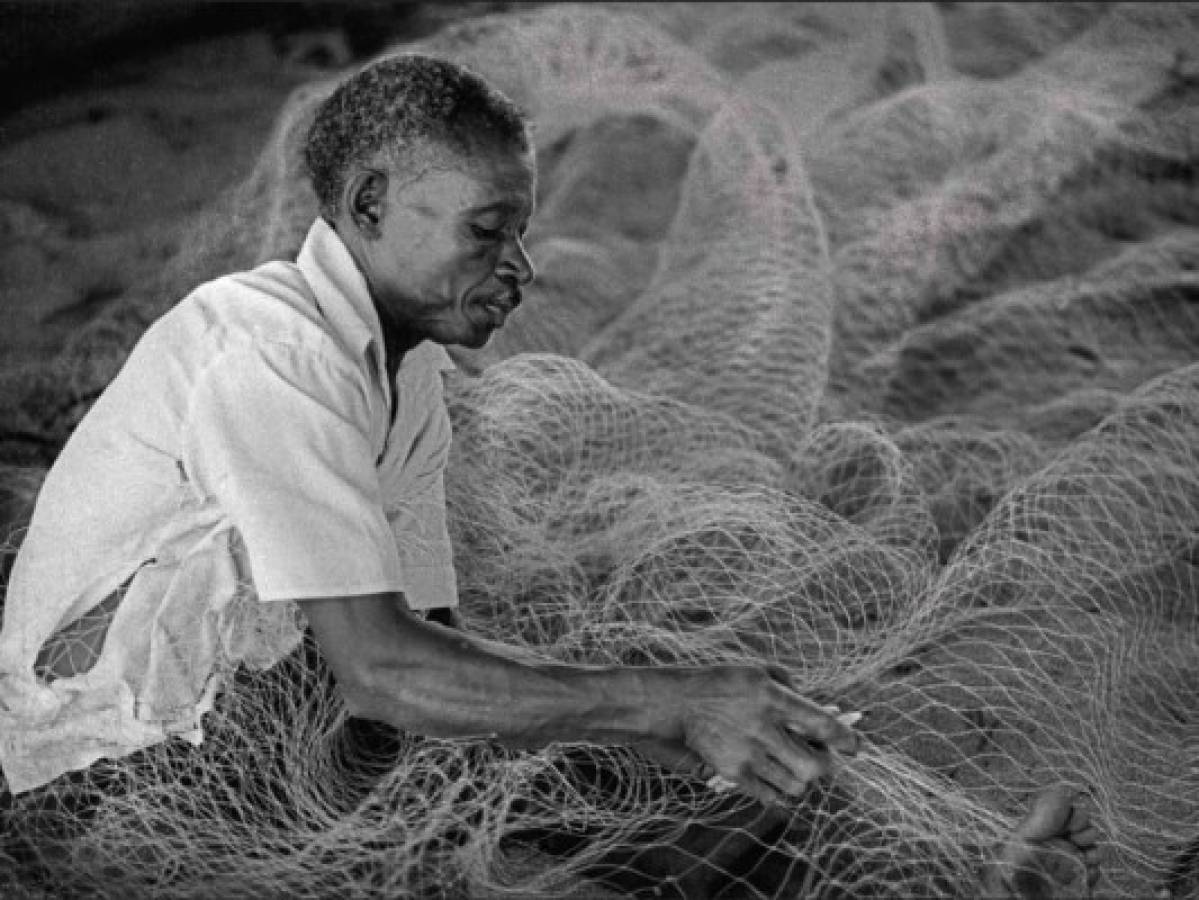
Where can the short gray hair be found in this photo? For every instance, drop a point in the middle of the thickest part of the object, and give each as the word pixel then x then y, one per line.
pixel 400 103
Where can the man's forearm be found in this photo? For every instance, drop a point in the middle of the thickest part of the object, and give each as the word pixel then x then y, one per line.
pixel 438 681
pixel 745 723
pixel 452 685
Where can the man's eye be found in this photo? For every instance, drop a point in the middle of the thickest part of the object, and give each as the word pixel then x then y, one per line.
pixel 486 234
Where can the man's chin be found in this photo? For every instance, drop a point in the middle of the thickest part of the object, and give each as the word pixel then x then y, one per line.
pixel 478 340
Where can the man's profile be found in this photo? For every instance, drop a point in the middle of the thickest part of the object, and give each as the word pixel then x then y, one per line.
pixel 278 441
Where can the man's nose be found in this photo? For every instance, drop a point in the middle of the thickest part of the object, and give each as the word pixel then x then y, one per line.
pixel 516 263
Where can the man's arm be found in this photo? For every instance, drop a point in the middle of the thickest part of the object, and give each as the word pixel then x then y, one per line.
pixel 742 721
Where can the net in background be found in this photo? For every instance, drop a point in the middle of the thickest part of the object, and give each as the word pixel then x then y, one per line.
pixel 761 416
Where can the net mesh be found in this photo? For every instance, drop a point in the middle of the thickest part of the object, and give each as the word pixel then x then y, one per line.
pixel 882 371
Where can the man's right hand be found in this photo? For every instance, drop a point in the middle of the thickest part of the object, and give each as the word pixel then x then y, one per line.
pixel 750 726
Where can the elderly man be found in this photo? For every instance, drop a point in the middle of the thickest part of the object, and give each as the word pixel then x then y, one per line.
pixel 280 435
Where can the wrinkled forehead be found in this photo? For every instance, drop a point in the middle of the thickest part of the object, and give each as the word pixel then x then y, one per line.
pixel 465 184
pixel 506 164
pixel 498 178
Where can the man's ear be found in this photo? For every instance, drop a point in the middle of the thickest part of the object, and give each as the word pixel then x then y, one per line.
pixel 366 195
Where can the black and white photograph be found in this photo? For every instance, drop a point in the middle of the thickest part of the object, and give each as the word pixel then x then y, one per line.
pixel 599 450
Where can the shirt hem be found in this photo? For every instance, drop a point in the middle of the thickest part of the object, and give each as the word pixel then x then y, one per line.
pixel 340 592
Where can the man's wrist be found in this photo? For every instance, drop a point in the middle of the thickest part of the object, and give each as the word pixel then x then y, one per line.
pixel 616 704
pixel 660 692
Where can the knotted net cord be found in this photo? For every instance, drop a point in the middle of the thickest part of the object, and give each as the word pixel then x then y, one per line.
pixel 893 385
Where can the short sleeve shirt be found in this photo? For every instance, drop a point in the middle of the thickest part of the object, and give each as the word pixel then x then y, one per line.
pixel 246 453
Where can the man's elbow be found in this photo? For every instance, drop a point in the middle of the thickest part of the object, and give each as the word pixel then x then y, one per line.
pixel 368 691
pixel 363 641
pixel 361 701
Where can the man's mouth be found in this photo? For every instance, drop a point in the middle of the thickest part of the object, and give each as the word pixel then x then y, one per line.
pixel 500 306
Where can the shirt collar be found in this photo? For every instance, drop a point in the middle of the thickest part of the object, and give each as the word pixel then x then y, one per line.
pixel 345 302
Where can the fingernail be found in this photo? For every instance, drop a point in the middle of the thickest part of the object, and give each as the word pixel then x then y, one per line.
pixel 719 784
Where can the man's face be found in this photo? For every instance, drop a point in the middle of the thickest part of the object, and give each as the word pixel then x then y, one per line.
pixel 448 260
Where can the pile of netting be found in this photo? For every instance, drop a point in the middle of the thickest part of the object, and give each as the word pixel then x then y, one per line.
pixel 866 343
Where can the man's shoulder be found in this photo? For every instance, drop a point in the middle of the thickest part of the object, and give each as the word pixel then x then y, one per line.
pixel 275 289
pixel 270 303
pixel 274 277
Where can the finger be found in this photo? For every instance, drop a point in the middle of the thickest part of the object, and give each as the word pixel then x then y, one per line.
pixel 802 760
pixel 1059 860
pixel 848 719
pixel 1079 818
pixel 815 721
pixel 1085 838
pixel 1051 810
pixel 719 784
pixel 747 783
pixel 760 790
pixel 783 778
pixel 815 725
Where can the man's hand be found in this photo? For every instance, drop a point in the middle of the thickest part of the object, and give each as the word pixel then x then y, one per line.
pixel 750 727
pixel 770 770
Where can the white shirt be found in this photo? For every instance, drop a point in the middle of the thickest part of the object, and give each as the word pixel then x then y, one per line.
pixel 245 453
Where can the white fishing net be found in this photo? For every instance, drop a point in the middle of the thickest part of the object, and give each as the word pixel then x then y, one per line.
pixel 855 350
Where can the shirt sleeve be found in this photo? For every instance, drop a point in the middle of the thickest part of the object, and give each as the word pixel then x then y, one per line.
pixel 415 508
pixel 279 436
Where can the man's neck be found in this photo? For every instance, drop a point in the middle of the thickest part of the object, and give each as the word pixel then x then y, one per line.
pixel 396 344
pixel 393 356
pixel 396 341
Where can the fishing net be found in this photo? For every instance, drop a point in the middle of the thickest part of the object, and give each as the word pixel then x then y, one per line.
pixel 855 350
